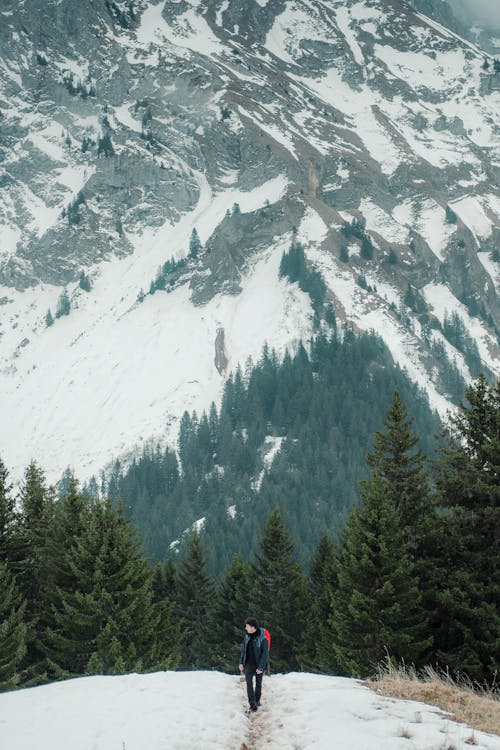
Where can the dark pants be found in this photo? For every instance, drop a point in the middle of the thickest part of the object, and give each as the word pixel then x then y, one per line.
pixel 253 695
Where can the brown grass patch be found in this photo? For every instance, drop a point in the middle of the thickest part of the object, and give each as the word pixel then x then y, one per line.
pixel 473 705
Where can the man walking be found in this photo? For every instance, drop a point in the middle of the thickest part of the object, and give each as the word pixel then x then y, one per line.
pixel 253 660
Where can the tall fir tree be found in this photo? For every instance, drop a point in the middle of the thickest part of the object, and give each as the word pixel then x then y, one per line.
pixel 396 458
pixel 108 623
pixel 468 478
pixel 33 568
pixel 12 630
pixel 376 607
pixel 228 614
pixel 195 245
pixel 70 517
pixel 194 597
pixel 322 582
pixel 399 461
pixel 7 518
pixel 280 595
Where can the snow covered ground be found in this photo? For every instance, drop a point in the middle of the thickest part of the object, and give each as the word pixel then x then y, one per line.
pixel 186 710
pixel 115 374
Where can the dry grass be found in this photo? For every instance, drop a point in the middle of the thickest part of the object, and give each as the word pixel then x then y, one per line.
pixel 476 706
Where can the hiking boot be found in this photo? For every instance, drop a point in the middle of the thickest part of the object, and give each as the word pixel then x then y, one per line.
pixel 253 707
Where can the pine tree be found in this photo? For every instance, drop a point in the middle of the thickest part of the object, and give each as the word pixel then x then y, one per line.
pixel 33 570
pixel 63 304
pixel 105 145
pixel 194 596
pixel 376 607
pixel 367 249
pixel 281 600
pixel 8 551
pixel 468 474
pixel 108 624
pixel 71 514
pixel 49 319
pixel 12 630
pixel 194 244
pixel 228 613
pixel 396 458
pixel 322 581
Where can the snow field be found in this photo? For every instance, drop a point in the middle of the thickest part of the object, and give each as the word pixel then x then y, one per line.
pixel 186 710
pixel 174 710
pixel 114 373
pixel 316 712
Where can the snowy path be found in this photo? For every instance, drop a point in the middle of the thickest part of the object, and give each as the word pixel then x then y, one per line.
pixel 189 710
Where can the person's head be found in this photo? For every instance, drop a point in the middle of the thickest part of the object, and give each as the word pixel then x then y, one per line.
pixel 251 625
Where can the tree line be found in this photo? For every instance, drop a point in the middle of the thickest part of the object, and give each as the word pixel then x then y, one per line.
pixel 321 404
pixel 413 576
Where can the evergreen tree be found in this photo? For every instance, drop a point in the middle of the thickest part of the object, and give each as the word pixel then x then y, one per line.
pixel 194 596
pixel 105 145
pixel 165 582
pixel 468 471
pixel 322 581
pixel 194 244
pixel 402 466
pixel 12 630
pixel 281 600
pixel 108 623
pixel 376 607
pixel 367 249
pixel 63 304
pixel 228 613
pixel 33 569
pixel 49 320
pixel 71 515
pixel 8 552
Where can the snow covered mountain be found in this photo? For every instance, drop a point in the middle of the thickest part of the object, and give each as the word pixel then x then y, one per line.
pixel 182 710
pixel 362 129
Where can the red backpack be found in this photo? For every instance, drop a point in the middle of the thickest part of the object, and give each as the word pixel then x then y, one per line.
pixel 268 638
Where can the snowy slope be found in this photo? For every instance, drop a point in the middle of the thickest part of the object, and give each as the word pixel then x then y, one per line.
pixel 181 711
pixel 307 114
pixel 116 373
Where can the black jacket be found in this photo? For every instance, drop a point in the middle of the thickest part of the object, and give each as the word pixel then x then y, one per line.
pixel 260 647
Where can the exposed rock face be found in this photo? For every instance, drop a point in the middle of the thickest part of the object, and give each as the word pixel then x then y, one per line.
pixel 220 359
pixel 122 118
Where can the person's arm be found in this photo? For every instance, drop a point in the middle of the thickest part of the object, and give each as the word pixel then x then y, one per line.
pixel 242 655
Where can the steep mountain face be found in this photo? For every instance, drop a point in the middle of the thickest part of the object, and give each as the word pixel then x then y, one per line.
pixel 363 130
pixel 476 20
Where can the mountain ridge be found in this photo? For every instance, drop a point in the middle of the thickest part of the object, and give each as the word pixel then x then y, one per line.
pixel 362 130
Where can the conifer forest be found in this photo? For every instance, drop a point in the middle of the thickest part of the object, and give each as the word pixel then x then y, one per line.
pixel 374 533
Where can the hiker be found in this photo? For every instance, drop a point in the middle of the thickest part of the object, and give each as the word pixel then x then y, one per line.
pixel 253 660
